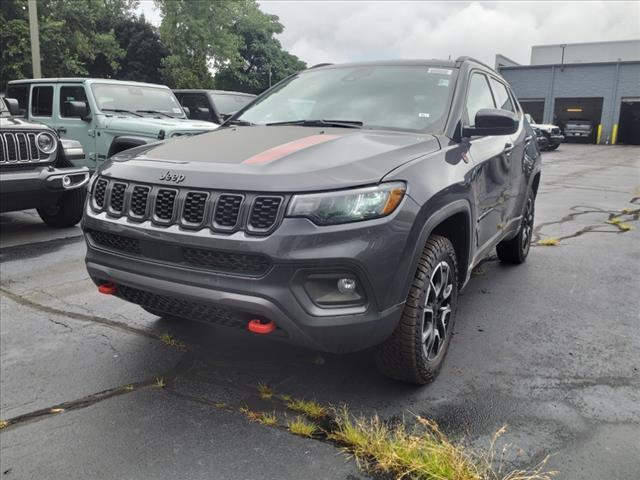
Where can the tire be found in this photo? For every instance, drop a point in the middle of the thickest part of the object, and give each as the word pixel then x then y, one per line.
pixel 552 147
pixel 67 211
pixel 515 251
pixel 405 356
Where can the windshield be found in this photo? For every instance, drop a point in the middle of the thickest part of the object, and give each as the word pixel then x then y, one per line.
pixel 228 104
pixel 412 98
pixel 136 98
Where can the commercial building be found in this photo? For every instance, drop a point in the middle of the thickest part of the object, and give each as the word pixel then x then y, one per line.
pixel 596 82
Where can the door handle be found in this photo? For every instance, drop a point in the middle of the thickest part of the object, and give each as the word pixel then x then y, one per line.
pixel 508 148
pixel 528 139
pixel 61 130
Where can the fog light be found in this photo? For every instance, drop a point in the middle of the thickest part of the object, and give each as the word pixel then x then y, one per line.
pixel 346 286
pixel 66 181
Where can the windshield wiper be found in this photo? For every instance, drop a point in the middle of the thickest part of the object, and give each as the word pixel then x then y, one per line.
pixel 242 123
pixel 157 112
pixel 321 123
pixel 120 110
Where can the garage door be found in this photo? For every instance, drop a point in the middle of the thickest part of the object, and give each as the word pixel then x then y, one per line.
pixel 629 123
pixel 535 108
pixel 578 118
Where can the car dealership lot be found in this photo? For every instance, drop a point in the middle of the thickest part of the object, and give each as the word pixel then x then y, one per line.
pixel 550 348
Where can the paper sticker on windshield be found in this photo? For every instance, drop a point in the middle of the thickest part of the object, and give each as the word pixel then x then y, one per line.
pixel 443 82
pixel 177 110
pixel 441 71
pixel 423 115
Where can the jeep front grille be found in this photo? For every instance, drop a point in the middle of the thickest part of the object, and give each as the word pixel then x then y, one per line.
pixel 18 148
pixel 255 213
pixel 249 264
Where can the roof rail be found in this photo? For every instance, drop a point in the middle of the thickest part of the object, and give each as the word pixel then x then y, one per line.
pixel 320 65
pixel 467 58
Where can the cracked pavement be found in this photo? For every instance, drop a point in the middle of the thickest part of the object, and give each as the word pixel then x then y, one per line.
pixel 550 348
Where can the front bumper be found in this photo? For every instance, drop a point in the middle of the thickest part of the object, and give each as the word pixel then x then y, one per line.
pixel 22 188
pixel 156 275
pixel 555 139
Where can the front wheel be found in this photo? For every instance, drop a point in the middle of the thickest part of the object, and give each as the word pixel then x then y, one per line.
pixel 553 147
pixel 415 351
pixel 67 211
pixel 515 251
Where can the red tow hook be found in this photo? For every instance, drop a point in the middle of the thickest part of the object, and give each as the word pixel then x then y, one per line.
pixel 261 328
pixel 108 288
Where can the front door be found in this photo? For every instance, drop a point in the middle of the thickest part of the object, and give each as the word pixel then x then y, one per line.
pixel 492 174
pixel 76 128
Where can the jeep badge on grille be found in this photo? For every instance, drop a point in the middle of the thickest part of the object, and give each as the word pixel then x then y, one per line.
pixel 172 177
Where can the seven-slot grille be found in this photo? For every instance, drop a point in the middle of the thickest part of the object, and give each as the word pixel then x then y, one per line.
pixel 20 147
pixel 195 209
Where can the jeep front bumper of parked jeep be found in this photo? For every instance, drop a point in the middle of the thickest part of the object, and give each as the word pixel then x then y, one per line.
pixel 229 258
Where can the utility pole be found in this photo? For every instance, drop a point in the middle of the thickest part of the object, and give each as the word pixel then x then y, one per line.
pixel 35 38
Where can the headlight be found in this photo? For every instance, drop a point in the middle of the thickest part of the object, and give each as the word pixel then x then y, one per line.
pixel 345 206
pixel 46 142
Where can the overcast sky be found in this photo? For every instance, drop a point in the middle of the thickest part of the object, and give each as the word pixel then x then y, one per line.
pixel 340 31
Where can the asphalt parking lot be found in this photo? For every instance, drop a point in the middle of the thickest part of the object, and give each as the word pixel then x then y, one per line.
pixel 551 349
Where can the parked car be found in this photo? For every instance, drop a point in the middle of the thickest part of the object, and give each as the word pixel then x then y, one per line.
pixel 106 116
pixel 212 105
pixel 541 138
pixel 580 130
pixel 344 210
pixel 552 133
pixel 36 170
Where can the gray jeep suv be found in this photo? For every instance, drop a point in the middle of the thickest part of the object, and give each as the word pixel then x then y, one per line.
pixel 343 209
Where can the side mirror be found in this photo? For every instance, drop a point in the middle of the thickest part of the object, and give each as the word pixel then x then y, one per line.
pixel 491 121
pixel 73 150
pixel 187 111
pixel 13 106
pixel 77 109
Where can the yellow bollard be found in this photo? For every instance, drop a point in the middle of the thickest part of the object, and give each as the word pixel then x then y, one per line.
pixel 599 134
pixel 614 134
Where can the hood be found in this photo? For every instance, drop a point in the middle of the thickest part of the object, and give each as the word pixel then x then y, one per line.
pixel 15 123
pixel 273 159
pixel 152 125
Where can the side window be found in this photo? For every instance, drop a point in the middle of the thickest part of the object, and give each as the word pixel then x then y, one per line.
pixel 42 101
pixel 71 94
pixel 478 96
pixel 20 93
pixel 501 95
pixel 197 104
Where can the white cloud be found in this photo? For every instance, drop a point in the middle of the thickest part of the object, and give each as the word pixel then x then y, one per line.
pixel 341 31
pixel 337 31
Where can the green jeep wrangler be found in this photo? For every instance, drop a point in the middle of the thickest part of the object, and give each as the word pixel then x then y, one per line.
pixel 105 116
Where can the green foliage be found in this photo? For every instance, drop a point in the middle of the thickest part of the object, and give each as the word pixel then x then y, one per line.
pixel 104 38
pixel 260 60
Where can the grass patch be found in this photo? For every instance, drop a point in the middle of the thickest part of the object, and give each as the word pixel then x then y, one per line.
pixel 549 242
pixel 625 227
pixel 160 382
pixel 614 221
pixel 3 424
pixel 310 408
pixel 263 418
pixel 265 391
pixel 423 453
pixel 171 341
pixel 302 427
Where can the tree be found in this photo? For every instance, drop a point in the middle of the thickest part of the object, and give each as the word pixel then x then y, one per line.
pixel 143 49
pixel 198 36
pixel 76 37
pixel 260 59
